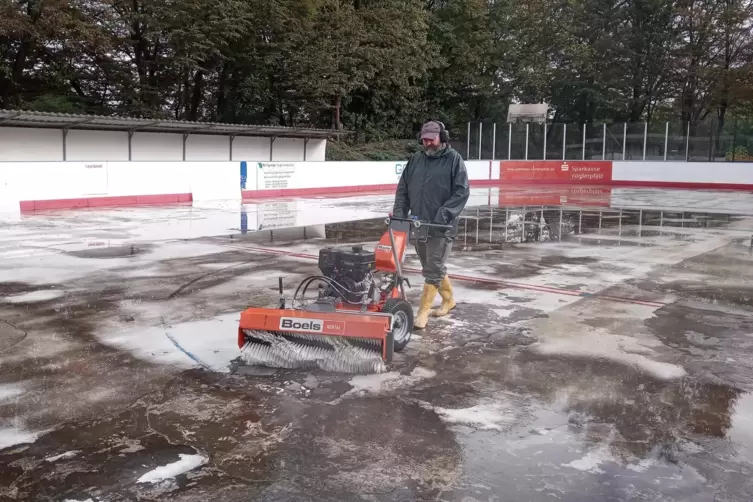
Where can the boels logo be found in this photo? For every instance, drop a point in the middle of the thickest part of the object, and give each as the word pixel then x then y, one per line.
pixel 311 325
pixel 290 324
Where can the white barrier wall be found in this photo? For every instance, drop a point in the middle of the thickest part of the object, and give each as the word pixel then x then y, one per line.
pixel 49 185
pixel 682 173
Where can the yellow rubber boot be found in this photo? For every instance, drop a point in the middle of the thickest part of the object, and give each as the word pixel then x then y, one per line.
pixel 424 308
pixel 448 300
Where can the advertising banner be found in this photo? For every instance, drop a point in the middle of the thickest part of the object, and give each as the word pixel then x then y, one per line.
pixel 576 172
pixel 275 175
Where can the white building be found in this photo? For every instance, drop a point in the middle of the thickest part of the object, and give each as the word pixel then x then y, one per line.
pixel 38 136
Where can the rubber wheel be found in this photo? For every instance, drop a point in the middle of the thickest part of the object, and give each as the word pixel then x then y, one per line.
pixel 403 322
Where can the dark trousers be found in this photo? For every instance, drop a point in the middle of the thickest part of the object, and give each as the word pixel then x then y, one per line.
pixel 433 254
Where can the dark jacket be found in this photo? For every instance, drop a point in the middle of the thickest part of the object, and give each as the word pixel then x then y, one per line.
pixel 433 188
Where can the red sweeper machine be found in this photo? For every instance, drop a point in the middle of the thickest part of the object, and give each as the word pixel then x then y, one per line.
pixel 358 320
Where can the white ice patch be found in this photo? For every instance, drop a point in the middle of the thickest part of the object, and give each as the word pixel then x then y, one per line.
pixel 592 460
pixel 385 382
pixel 186 463
pixel 483 416
pixel 9 391
pixel 42 295
pixel 62 456
pixel 617 348
pixel 11 436
pixel 211 343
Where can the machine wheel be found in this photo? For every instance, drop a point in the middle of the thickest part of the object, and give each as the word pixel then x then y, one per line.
pixel 403 322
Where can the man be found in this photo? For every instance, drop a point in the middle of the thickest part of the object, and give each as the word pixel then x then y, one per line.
pixel 434 187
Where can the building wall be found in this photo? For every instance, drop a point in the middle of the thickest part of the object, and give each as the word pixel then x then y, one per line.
pixel 29 144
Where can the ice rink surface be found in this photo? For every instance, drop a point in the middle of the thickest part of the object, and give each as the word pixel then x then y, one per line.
pixel 600 351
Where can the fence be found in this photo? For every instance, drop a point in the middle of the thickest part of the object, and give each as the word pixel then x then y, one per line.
pixel 662 141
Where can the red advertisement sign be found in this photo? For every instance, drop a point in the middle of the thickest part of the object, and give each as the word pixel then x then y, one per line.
pixel 565 196
pixel 576 172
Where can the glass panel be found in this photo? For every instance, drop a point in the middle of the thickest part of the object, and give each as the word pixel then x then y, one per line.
pixel 701 142
pixel 615 133
pixel 554 134
pixel 655 140
pixel 574 147
pixel 677 141
pixel 503 131
pixel 634 150
pixel 535 141
pixel 594 141
pixel 518 141
pixel 487 140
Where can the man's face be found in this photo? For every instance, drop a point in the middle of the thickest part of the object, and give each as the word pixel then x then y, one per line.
pixel 431 144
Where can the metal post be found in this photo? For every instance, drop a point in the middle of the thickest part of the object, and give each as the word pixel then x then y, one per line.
pixel 232 138
pixel 545 124
pixel 666 140
pixel 480 138
pixel 271 148
pixel 604 143
pixel 564 140
pixel 687 143
pixel 305 148
pixel 624 140
pixel 645 138
pixel 509 141
pixel 527 126
pixel 468 141
pixel 584 142
pixel 65 145
pixel 494 141
pixel 130 145
pixel 185 137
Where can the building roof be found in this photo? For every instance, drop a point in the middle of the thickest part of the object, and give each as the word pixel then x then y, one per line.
pixel 20 118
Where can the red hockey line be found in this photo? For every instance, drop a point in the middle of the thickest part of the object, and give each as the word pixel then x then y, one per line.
pixel 501 282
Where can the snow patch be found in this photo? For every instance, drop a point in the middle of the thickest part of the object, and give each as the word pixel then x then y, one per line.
pixel 616 348
pixel 483 416
pixel 41 295
pixel 63 456
pixel 11 436
pixel 11 390
pixel 384 382
pixel 592 460
pixel 211 343
pixel 186 463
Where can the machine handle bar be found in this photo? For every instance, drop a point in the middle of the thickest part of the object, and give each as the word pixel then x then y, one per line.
pixel 417 223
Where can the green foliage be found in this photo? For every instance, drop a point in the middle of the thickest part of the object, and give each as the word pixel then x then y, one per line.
pixel 379 68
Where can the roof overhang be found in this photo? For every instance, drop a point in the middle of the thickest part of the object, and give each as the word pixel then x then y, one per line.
pixel 18 118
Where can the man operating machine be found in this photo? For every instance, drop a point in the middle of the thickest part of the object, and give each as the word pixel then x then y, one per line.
pixel 434 187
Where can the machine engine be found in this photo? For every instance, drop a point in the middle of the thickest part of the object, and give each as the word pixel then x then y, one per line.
pixel 351 272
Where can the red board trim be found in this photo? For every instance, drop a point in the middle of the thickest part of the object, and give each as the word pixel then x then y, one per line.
pixel 683 185
pixel 294 192
pixel 126 200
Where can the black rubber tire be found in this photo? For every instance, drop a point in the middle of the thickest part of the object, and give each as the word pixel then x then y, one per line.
pixel 398 306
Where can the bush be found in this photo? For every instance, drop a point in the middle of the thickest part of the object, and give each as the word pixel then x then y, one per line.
pixel 383 151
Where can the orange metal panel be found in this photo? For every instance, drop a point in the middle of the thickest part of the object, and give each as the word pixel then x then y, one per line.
pixel 315 323
pixel 383 252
